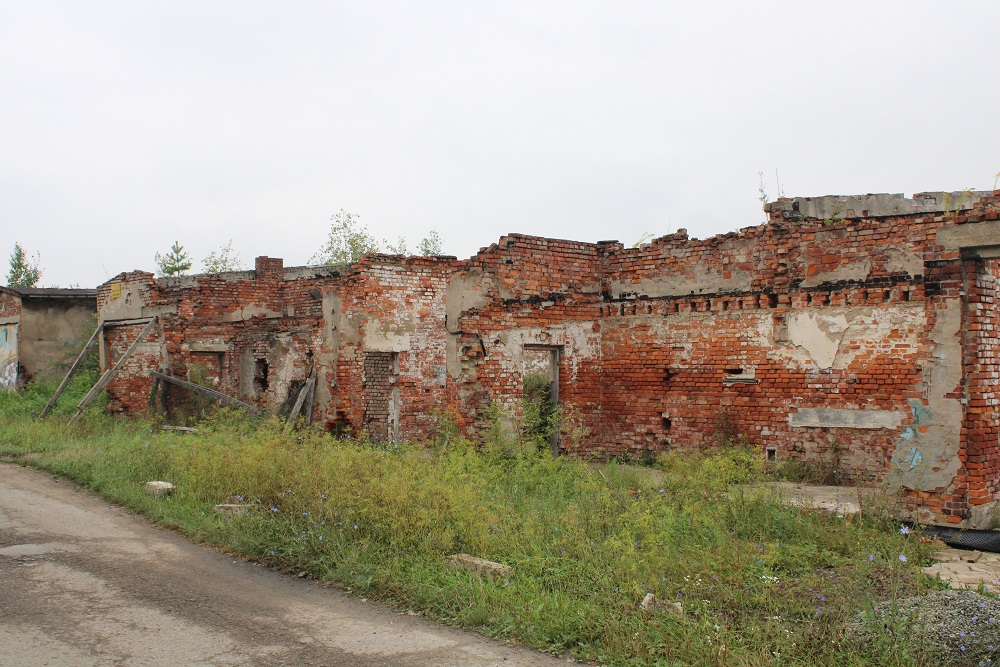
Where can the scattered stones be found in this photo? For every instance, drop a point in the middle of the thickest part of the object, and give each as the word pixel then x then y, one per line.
pixel 651 603
pixel 159 489
pixel 480 565
pixel 229 510
pixel 964 568
pixel 952 624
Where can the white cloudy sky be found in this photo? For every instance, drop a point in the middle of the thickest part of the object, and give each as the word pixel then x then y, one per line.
pixel 127 125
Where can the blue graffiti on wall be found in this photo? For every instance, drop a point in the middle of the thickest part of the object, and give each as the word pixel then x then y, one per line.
pixel 8 357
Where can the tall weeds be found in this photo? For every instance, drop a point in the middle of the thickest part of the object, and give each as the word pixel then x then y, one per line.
pixel 758 582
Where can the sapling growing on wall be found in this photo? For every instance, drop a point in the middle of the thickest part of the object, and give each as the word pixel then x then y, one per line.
pixel 224 259
pixel 430 245
pixel 175 262
pixel 347 241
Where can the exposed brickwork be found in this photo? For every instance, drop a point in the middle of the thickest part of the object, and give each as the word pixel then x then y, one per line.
pixel 10 304
pixel 377 393
pixel 865 343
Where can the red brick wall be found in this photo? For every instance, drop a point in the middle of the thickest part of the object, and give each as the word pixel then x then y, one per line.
pixel 10 304
pixel 982 365
pixel 672 345
pixel 394 305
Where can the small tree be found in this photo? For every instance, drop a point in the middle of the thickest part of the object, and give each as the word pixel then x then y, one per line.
pixel 400 247
pixel 347 241
pixel 176 262
pixel 223 259
pixel 430 245
pixel 23 272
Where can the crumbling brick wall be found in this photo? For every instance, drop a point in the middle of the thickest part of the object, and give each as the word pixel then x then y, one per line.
pixel 855 333
pixel 388 305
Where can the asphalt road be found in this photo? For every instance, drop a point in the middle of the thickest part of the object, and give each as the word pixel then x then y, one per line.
pixel 85 583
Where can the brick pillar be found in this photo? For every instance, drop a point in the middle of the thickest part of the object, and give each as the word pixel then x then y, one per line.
pixel 981 435
pixel 269 268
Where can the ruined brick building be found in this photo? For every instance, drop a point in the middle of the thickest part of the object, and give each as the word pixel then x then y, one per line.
pixel 860 330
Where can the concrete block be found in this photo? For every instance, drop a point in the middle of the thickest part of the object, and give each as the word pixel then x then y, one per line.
pixel 844 418
pixel 480 565
pixel 651 603
pixel 229 510
pixel 159 489
pixel 983 517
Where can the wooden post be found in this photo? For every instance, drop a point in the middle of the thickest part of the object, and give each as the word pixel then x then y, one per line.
pixel 72 370
pixel 310 399
pixel 305 391
pixel 197 388
pixel 110 374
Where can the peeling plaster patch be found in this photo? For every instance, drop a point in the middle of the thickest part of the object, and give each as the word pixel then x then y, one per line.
pixel 578 340
pixel 856 271
pixel 901 261
pixel 844 418
pixel 704 280
pixel 328 354
pixel 921 413
pixel 129 305
pixel 465 292
pixel 451 356
pixel 818 333
pixel 379 336
pixel 938 440
pixel 214 345
pixel 248 312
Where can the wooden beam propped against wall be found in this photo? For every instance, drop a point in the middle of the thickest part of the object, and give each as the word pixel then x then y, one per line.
pixel 72 369
pixel 306 391
pixel 106 379
pixel 198 389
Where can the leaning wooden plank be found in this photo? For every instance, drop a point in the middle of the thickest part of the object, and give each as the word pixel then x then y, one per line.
pixel 72 370
pixel 310 399
pixel 298 403
pixel 110 374
pixel 197 388
pixel 94 391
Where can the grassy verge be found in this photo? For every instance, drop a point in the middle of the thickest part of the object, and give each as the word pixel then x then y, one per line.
pixel 760 583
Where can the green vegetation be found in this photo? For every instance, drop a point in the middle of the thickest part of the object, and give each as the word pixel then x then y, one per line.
pixel 174 263
pixel 348 240
pixel 23 271
pixel 759 582
pixel 224 259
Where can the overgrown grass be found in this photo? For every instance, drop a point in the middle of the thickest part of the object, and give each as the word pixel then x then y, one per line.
pixel 760 582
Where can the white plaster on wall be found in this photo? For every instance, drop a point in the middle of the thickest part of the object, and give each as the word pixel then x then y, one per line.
pixel 703 280
pixel 819 333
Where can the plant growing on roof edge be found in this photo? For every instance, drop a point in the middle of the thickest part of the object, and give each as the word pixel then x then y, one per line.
pixel 430 245
pixel 223 259
pixel 347 241
pixel 23 272
pixel 175 262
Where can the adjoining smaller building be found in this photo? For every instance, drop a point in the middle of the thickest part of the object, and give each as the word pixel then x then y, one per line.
pixel 41 330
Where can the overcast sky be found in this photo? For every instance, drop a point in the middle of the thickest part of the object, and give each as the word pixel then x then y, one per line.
pixel 125 126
